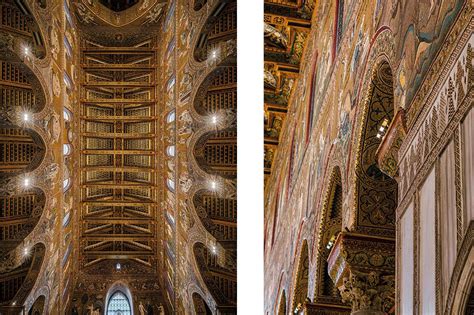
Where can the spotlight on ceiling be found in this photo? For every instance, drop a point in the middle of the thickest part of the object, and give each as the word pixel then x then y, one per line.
pixel 214 119
pixel 26 116
pixel 26 182
pixel 214 54
pixel 118 266
pixel 26 251
pixel 214 249
pixel 213 185
pixel 26 50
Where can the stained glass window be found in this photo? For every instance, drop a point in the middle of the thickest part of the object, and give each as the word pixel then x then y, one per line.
pixel 119 305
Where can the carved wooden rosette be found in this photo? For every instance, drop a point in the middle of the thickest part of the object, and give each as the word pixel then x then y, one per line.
pixel 387 153
pixel 363 268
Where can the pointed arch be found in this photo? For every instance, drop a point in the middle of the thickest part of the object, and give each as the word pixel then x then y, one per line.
pixel 330 227
pixel 218 91
pixel 123 295
pixel 19 215
pixel 21 150
pixel 200 306
pixel 282 305
pixel 16 285
pixel 38 306
pixel 20 22
pixel 216 153
pixel 219 276
pixel 376 193
pixel 300 291
pixel 219 216
pixel 219 27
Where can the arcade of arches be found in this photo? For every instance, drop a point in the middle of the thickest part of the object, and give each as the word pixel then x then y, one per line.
pixel 118 157
pixel 369 205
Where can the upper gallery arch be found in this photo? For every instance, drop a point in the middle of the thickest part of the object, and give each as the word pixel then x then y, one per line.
pixel 220 27
pixel 220 278
pixel 18 20
pixel 21 90
pixel 17 284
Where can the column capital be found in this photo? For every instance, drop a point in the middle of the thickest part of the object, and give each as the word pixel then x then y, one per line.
pixel 363 269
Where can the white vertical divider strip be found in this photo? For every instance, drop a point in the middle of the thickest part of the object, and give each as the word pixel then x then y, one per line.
pixel 428 245
pixel 407 262
pixel 447 220
pixel 468 167
pixel 250 157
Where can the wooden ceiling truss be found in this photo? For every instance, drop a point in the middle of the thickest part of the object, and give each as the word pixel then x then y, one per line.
pixel 119 150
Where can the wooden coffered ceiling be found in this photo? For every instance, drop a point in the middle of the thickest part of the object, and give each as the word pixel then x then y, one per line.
pixel 119 154
pixel 287 25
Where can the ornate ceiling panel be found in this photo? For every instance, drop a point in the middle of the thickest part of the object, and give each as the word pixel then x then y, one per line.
pixel 118 135
pixel 129 26
pixel 286 27
pixel 119 13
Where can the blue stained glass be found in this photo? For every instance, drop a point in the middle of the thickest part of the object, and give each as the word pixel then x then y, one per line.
pixel 119 305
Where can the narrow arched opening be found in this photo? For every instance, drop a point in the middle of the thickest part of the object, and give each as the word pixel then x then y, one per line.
pixel 21 150
pixel 469 308
pixel 327 295
pixel 19 215
pixel 118 304
pixel 219 217
pixel 15 285
pixel 216 153
pixel 219 275
pixel 300 294
pixel 38 306
pixel 200 306
pixel 221 26
pixel 282 306
pixel 20 22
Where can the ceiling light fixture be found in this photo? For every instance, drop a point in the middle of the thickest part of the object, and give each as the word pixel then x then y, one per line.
pixel 26 182
pixel 26 50
pixel 214 54
pixel 213 185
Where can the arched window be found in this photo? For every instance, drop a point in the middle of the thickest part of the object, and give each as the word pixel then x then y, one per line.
pixel 66 180
pixel 66 184
pixel 67 219
pixel 170 184
pixel 171 116
pixel 67 149
pixel 119 304
pixel 312 91
pixel 67 114
pixel 170 150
